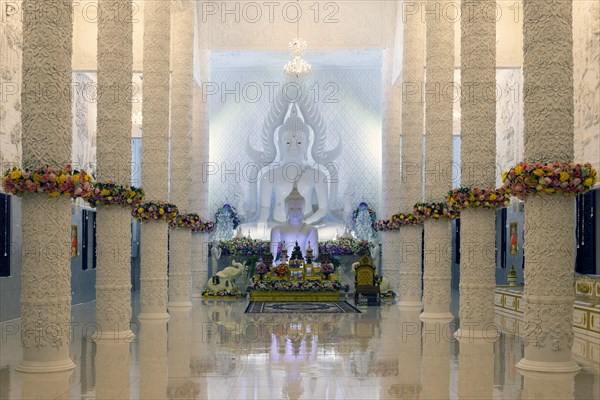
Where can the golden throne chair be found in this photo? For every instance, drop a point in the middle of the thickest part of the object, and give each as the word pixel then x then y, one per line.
pixel 366 282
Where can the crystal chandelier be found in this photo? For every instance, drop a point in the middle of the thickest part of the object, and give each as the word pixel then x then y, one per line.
pixel 297 65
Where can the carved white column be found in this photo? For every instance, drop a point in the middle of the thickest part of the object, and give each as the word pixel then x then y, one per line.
pixel 412 154
pixel 46 140
pixel 181 127
pixel 390 240
pixel 50 386
pixel 113 274
pixel 438 158
pixel 112 370
pixel 549 220
pixel 155 156
pixel 199 191
pixel 478 168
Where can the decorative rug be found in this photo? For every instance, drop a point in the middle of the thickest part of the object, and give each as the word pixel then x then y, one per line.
pixel 300 307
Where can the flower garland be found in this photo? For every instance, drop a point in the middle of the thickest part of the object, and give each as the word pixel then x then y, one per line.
pixel 204 227
pixel 364 206
pixel 185 221
pixel 345 247
pixel 524 178
pixel 434 211
pixel 466 197
pixel 222 293
pixel 233 215
pixel 397 221
pixel 107 194
pixel 155 211
pixel 244 247
pixel 55 183
pixel 297 286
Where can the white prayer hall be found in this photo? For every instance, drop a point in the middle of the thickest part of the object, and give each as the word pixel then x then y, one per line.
pixel 348 199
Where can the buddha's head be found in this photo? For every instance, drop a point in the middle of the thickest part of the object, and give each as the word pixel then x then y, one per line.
pixel 293 139
pixel 294 206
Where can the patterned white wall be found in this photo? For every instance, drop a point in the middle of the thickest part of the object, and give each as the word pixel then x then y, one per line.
pixel 349 100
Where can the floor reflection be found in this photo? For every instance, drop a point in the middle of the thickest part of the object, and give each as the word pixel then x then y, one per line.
pixel 215 351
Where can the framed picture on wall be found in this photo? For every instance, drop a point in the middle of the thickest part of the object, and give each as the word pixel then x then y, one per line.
pixel 73 241
pixel 514 238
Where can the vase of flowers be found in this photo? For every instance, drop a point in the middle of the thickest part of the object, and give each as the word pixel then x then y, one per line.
pixel 281 270
pixel 326 270
pixel 262 269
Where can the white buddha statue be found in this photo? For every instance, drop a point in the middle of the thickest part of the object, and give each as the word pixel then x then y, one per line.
pixel 293 145
pixel 295 230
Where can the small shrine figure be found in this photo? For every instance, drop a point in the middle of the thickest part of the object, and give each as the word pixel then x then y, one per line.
pixel 238 233
pixel 297 263
pixel 309 254
pixel 309 260
pixel 297 253
pixel 284 253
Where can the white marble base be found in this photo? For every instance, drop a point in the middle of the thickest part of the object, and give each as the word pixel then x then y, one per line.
pixel 49 366
pixel 539 366
pixel 414 305
pixel 436 317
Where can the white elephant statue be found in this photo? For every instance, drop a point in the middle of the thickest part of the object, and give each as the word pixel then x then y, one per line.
pixel 384 286
pixel 224 281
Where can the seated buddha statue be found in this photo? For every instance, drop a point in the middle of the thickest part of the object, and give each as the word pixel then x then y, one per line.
pixel 294 169
pixel 295 229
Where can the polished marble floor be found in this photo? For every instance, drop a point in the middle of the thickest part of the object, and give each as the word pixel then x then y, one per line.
pixel 215 351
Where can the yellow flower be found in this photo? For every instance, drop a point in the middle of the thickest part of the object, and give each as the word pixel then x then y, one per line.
pixel 538 172
pixel 87 178
pixel 53 194
pixel 588 181
pixel 75 178
pixel 61 179
pixel 504 176
pixel 549 190
pixel 471 197
pixel 518 169
pixel 105 192
pixel 564 176
pixel 36 177
pixel 493 197
pixel 16 174
pixel 141 210
pixel 161 211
